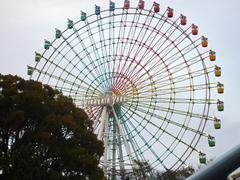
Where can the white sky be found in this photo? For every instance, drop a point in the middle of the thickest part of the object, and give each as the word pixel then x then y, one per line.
pixel 24 24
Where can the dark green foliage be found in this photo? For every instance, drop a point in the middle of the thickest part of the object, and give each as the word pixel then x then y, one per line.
pixel 43 135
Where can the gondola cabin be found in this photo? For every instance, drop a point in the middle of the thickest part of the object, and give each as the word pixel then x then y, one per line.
pixel 212 55
pixel 204 41
pixel 29 70
pixel 97 10
pixel 37 57
pixel 126 4
pixel 83 16
pixel 202 158
pixel 211 141
pixel 170 12
pixel 47 44
pixel 141 4
pixel 220 88
pixel 70 24
pixel 156 7
pixel 194 30
pixel 58 33
pixel 220 105
pixel 183 20
pixel 112 6
pixel 217 71
pixel 217 123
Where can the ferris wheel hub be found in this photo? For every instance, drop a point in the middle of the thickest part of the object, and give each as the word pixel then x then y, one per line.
pixel 107 100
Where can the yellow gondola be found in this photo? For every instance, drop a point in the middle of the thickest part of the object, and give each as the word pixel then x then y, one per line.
pixel 220 88
pixel 217 71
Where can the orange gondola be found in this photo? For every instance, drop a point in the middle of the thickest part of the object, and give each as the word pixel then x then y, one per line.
pixel 204 41
pixel 194 29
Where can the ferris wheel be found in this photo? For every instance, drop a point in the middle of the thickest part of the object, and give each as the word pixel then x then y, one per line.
pixel 145 78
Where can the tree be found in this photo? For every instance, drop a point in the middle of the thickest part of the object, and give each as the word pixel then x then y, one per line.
pixel 43 135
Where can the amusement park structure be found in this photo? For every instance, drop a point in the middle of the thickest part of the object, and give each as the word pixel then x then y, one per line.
pixel 147 80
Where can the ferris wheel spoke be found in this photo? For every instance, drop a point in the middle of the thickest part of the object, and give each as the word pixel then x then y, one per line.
pixel 159 127
pixel 56 65
pixel 150 40
pixel 70 62
pixel 72 90
pixel 157 54
pixel 102 41
pixel 169 32
pixel 180 66
pixel 171 151
pixel 176 42
pixel 184 51
pixel 174 111
pixel 57 78
pixel 174 56
pixel 158 158
pixel 142 32
pixel 64 70
pixel 176 68
pixel 95 67
pixel 143 139
pixel 149 99
pixel 183 89
pixel 145 90
pixel 95 50
pixel 175 123
pixel 121 35
pixel 111 49
pixel 164 81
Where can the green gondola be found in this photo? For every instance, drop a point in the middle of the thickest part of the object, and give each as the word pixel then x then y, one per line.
pixel 58 33
pixel 112 6
pixel 70 24
pixel 202 158
pixel 97 10
pixel 47 44
pixel 83 16
pixel 38 57
pixel 220 105
pixel 217 123
pixel 211 141
pixel 29 70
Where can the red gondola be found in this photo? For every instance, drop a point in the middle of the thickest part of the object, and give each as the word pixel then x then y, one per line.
pixel 194 29
pixel 156 7
pixel 170 12
pixel 183 20
pixel 126 4
pixel 141 4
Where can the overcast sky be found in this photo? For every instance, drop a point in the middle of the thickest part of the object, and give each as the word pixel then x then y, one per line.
pixel 25 23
